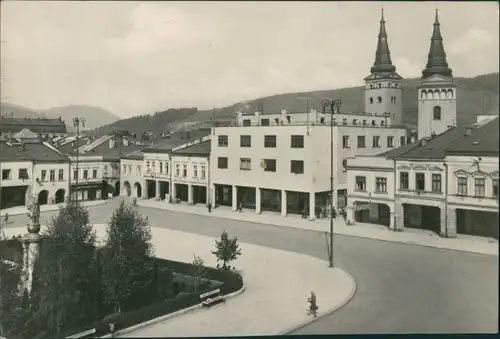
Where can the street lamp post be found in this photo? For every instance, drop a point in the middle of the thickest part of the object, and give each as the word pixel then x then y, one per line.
pixel 334 106
pixel 76 123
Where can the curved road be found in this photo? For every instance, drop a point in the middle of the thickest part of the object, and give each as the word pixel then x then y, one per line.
pixel 401 288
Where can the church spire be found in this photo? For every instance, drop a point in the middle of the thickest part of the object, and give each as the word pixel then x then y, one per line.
pixel 436 62
pixel 383 63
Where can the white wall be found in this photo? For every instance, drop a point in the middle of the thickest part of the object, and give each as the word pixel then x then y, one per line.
pixel 190 162
pixel 428 168
pixel 462 166
pixel 153 170
pixel 133 174
pixel 52 186
pixel 371 168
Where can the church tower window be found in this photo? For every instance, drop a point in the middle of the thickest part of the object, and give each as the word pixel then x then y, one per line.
pixel 379 100
pixel 437 113
pixel 371 100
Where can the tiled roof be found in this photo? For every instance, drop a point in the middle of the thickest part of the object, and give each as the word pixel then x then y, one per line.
pixel 202 148
pixel 483 140
pixel 36 125
pixel 111 154
pixel 452 141
pixel 32 151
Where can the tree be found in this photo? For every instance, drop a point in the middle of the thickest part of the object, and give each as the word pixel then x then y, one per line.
pixel 198 271
pixel 127 263
pixel 64 270
pixel 226 250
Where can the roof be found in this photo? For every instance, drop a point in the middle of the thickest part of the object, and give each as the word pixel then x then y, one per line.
pixel 36 125
pixel 33 151
pixel 100 147
pixel 136 155
pixel 202 148
pixel 176 140
pixel 452 141
pixel 483 140
pixel 25 134
pixel 95 143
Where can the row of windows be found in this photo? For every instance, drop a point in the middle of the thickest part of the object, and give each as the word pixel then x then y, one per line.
pixel 389 84
pixel 266 122
pixel 404 182
pixel 268 165
pixel 127 169
pixel 375 141
pixel 184 174
pixel 380 184
pixel 85 174
pixel 436 94
pixel 479 187
pixel 22 174
pixel 151 167
pixel 296 141
pixel 379 100
pixel 52 175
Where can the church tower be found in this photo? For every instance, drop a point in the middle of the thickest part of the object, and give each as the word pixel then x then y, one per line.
pixel 383 90
pixel 437 94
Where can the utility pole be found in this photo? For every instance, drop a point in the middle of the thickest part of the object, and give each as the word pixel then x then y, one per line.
pixel 76 123
pixel 334 106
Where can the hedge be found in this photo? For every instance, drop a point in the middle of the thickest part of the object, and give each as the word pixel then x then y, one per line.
pixel 231 282
pixel 11 249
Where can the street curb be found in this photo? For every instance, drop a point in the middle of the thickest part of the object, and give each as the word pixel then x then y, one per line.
pixel 170 315
pixel 306 229
pixel 55 209
pixel 344 302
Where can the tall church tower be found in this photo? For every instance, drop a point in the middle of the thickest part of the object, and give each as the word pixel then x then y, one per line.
pixel 437 94
pixel 383 90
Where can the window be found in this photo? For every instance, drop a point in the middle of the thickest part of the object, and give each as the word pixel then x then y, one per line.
pixel 245 141
pixel 345 141
pixel 195 171
pixel 245 164
pixel 247 122
pixel 61 175
pixel 297 141
pixel 222 140
pixel 436 183
pixel 264 122
pixel 404 182
pixel 354 122
pixel 277 121
pixel 376 142
pixel 374 123
pixel 6 174
pixel 382 123
pixel 124 169
pixel 203 172
pixel 390 141
pixel 270 141
pixel 371 100
pixel 138 169
pixel 222 162
pixel 381 185
pixel 166 168
pixel 270 165
pixel 94 174
pixel 85 174
pixel 177 170
pixel 479 187
pixel 402 140
pixel 495 188
pixel 161 167
pixel 52 175
pixel 360 183
pixel 23 173
pixel 184 171
pixel 44 175
pixel 106 169
pixel 147 165
pixel 420 181
pixel 379 100
pixel 344 121
pixel 361 141
pixel 297 167
pixel 288 118
pixel 75 175
pixel 461 186
pixel 437 113
pixel 321 120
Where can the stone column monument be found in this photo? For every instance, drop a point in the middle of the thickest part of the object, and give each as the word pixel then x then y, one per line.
pixel 31 245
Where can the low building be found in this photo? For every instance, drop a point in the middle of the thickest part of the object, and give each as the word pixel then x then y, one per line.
pixel 40 126
pixel 281 162
pixel 32 168
pixel 435 184
pixel 132 176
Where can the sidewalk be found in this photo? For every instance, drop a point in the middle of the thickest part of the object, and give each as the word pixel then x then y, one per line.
pixel 46 208
pixel 463 243
pixel 277 285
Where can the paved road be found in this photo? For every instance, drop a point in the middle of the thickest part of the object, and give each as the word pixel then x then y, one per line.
pixel 400 288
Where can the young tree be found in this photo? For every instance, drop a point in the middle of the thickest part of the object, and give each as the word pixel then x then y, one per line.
pixel 226 250
pixel 65 270
pixel 127 262
pixel 198 271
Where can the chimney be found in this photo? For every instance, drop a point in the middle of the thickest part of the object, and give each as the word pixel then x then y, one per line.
pixel 467 131
pixel 112 143
pixel 125 141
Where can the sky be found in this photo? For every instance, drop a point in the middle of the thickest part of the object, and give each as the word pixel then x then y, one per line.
pixel 134 58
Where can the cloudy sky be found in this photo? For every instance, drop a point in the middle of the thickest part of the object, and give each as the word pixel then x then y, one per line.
pixel 139 57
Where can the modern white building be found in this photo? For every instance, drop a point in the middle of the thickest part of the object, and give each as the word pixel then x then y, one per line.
pixel 32 168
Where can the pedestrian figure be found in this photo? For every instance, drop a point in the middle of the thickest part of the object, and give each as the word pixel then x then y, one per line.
pixel 209 206
pixel 240 207
pixel 304 214
pixel 6 218
pixel 334 213
pixel 344 214
pixel 313 307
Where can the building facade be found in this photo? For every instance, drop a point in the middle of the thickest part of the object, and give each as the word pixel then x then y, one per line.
pixel 132 177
